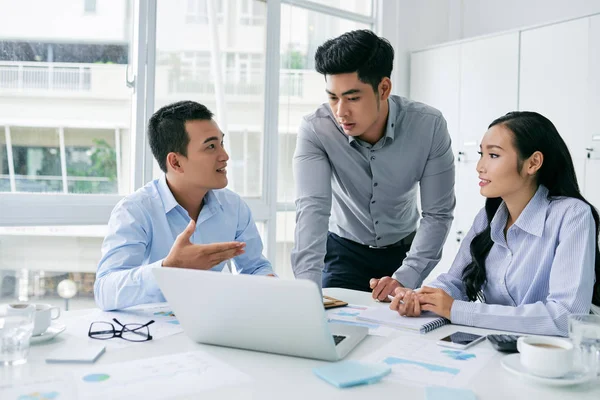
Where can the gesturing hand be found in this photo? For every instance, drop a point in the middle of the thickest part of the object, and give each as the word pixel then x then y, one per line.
pixel 383 287
pixel 184 254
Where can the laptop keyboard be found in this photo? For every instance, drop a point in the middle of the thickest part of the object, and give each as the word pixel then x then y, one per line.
pixel 338 338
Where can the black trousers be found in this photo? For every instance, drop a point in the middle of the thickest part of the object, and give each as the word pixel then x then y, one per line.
pixel 351 265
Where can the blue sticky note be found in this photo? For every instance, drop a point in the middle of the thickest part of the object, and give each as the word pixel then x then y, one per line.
pixel 351 373
pixel 446 393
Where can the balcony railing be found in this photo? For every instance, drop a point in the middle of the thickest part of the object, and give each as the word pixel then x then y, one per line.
pixel 108 80
pixel 44 76
pixel 291 82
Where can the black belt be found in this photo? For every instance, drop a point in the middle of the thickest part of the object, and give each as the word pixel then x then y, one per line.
pixel 405 241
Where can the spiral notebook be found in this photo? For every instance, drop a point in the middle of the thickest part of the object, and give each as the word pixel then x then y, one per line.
pixel 384 316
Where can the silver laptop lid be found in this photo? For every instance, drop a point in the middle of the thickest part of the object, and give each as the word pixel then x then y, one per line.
pixel 250 312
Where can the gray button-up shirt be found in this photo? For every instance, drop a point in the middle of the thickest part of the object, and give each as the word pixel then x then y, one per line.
pixel 368 194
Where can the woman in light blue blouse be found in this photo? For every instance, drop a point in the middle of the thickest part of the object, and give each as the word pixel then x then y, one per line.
pixel 531 257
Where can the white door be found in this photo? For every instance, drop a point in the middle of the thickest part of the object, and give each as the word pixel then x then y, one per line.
pixel 591 184
pixel 554 81
pixel 434 80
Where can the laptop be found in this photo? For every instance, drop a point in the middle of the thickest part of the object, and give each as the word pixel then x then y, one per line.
pixel 256 313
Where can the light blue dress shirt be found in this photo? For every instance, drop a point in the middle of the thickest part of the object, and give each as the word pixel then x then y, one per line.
pixel 142 229
pixel 539 274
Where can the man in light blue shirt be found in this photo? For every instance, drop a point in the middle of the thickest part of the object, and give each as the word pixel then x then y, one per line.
pixel 184 219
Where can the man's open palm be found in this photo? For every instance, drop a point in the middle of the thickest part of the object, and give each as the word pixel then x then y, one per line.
pixel 185 254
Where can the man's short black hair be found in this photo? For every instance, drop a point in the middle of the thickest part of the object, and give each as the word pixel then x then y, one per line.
pixel 361 51
pixel 166 129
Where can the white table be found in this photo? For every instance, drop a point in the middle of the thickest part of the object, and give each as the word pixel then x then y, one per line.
pixel 282 377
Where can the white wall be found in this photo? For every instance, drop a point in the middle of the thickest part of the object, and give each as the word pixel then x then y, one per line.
pixel 412 25
pixel 408 25
pixel 481 17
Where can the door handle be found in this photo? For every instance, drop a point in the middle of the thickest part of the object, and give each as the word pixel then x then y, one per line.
pixel 589 150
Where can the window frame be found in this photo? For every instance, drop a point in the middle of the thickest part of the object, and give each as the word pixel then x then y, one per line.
pixel 35 209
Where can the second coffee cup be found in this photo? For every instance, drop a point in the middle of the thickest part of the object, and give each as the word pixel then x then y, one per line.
pixel 546 356
pixel 44 314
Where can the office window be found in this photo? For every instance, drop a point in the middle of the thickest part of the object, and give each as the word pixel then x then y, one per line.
pixel 65 118
pixel 363 7
pixel 197 11
pixel 36 159
pixel 93 160
pixel 70 139
pixel 184 63
pixel 62 160
pixel 4 170
pixel 252 12
pixel 36 259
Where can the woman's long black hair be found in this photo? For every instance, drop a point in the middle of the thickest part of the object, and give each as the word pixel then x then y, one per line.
pixel 531 132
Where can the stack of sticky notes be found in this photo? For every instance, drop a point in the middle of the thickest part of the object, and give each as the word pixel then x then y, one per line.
pixel 352 373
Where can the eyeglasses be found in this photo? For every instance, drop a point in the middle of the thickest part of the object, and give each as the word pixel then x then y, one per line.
pixel 132 332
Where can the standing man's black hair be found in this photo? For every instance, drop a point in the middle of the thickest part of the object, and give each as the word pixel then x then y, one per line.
pixel 166 129
pixel 361 51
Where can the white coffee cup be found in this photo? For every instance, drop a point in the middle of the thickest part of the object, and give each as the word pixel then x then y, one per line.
pixel 548 357
pixel 43 317
pixel 19 308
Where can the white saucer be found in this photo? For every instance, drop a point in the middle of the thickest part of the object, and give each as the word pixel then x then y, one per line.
pixel 53 330
pixel 512 363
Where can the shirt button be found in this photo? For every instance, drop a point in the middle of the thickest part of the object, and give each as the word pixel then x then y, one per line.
pixel 373 202
pixel 375 184
pixel 378 237
pixel 376 222
pixel 392 125
pixel 372 158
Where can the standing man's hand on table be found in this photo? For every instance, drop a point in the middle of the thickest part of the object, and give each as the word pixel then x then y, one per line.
pixel 383 287
pixel 185 254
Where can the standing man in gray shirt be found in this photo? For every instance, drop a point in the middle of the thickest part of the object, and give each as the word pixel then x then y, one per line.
pixel 359 163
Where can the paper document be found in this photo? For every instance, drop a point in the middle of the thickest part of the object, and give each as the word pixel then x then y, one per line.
pixel 348 315
pixel 179 375
pixel 422 362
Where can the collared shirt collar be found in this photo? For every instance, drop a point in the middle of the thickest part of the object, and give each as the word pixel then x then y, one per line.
pixel 531 220
pixel 166 195
pixel 391 122
pixel 169 202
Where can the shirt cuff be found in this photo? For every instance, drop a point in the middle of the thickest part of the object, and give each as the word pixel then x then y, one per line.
pixel 148 281
pixel 463 312
pixel 408 277
pixel 265 271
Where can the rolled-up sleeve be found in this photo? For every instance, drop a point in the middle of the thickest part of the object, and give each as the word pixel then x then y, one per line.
pixel 437 202
pixel 312 173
